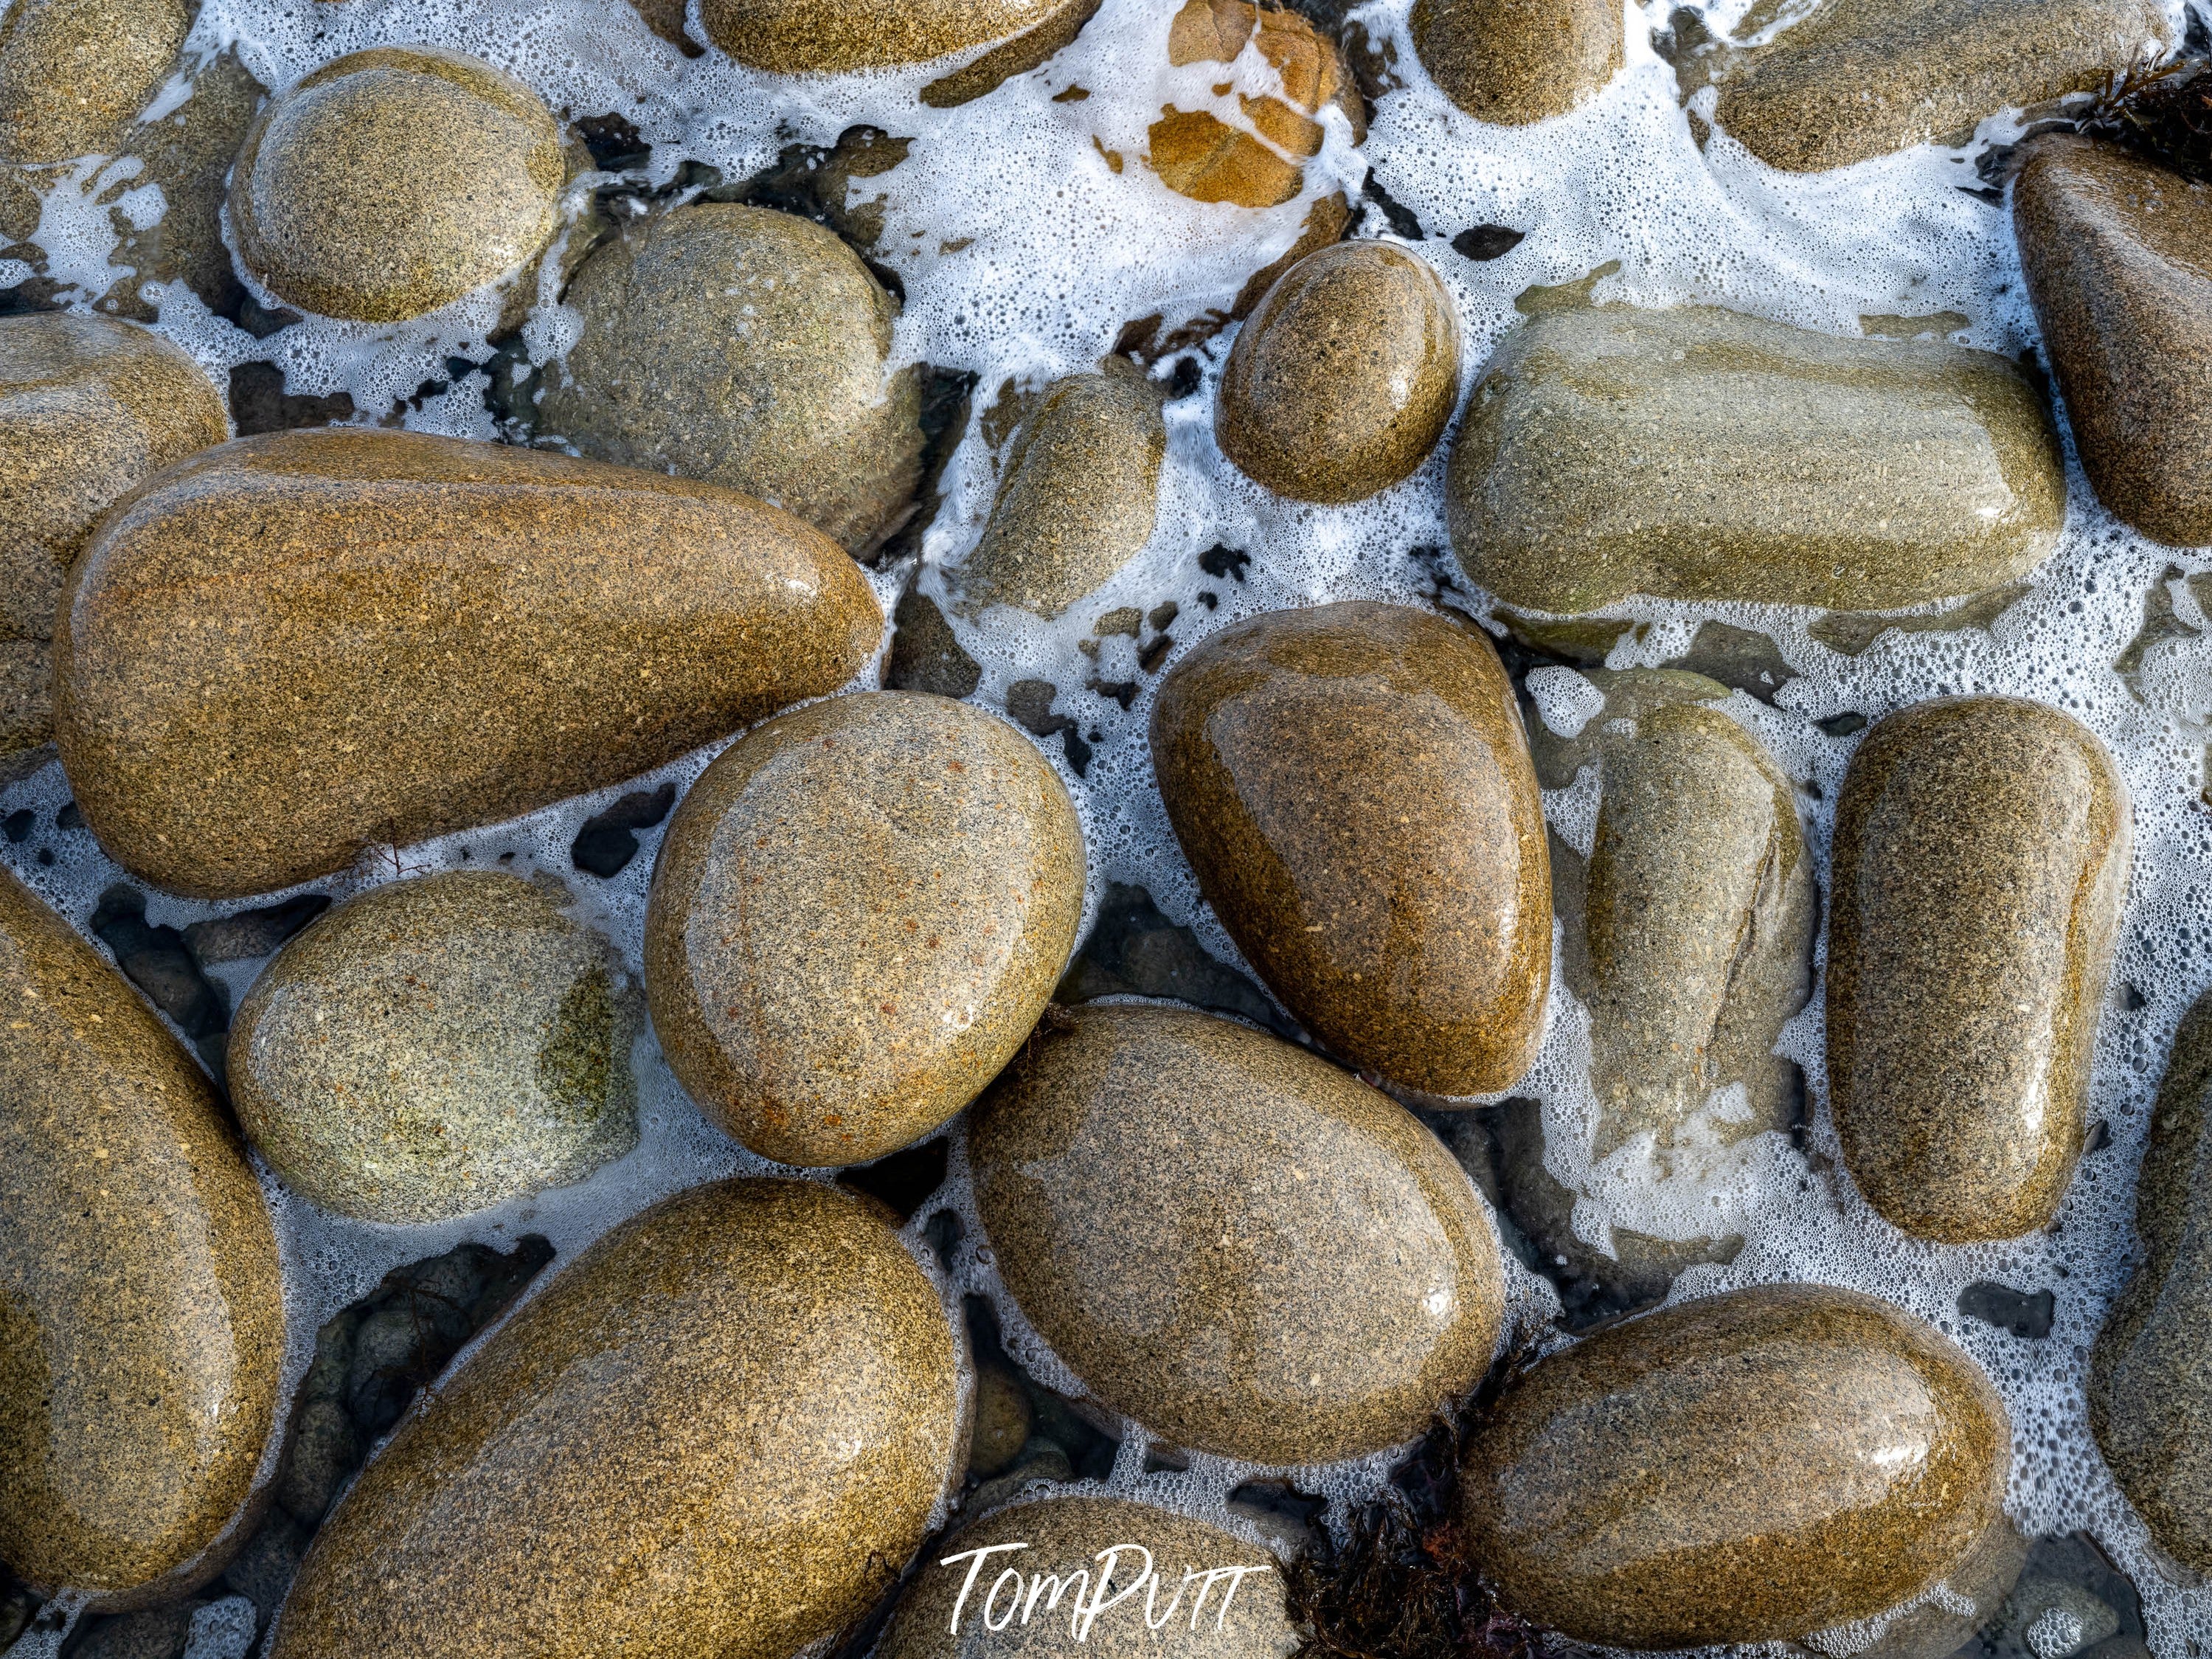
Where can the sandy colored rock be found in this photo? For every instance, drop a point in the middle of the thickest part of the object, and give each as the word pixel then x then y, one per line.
pixel 1297 1273
pixel 490 650
pixel 437 1046
pixel 1351 786
pixel 1518 61
pixel 859 913
pixel 2150 1375
pixel 1078 497
pixel 73 71
pixel 188 153
pixel 392 181
pixel 1969 1597
pixel 1003 1419
pixel 1344 377
pixel 1980 863
pixel 1198 155
pixel 719 1430
pixel 1859 78
pixel 809 36
pixel 1703 454
pixel 142 1318
pixel 1689 928
pixel 1018 56
pixel 2118 255
pixel 1239 1617
pixel 1750 1467
pixel 88 407
pixel 747 347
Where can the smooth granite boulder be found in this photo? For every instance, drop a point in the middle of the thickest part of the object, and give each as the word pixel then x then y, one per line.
pixel 2117 254
pixel 1703 454
pixel 811 37
pixel 1858 78
pixel 859 913
pixel 1351 786
pixel 1980 863
pixel 2150 1375
pixel 1344 377
pixel 392 181
pixel 745 347
pixel 250 691
pixel 720 1430
pixel 436 1046
pixel 142 1314
pixel 1517 61
pixel 1297 1273
pixel 73 72
pixel 1751 1467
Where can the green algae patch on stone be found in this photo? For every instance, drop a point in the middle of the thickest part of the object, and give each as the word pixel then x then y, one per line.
pixel 1859 78
pixel 746 347
pixel 1353 787
pixel 1176 1606
pixel 392 181
pixel 809 36
pixel 250 691
pixel 1517 63
pixel 1689 928
pixel 1751 1467
pixel 1703 454
pixel 1344 377
pixel 720 1430
pixel 141 1320
pixel 1980 863
pixel 859 911
pixel 1079 496
pixel 1294 1273
pixel 436 1046
pixel 2118 255
pixel 88 408
pixel 2150 1374
pixel 74 72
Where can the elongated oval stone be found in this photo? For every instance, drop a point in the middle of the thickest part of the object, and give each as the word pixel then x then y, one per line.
pixel 805 37
pixel 1299 1272
pixel 720 1430
pixel 1751 1467
pixel 292 647
pixel 1857 78
pixel 1689 928
pixel 142 1318
pixel 2118 255
pixel 1351 784
pixel 1702 454
pixel 1164 1579
pixel 2150 1374
pixel 859 913
pixel 1980 859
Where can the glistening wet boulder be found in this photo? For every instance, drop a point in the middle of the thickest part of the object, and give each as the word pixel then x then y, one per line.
pixel 252 689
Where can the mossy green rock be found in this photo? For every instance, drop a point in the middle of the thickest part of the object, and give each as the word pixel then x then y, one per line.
pixel 746 347
pixel 251 688
pixel 1980 863
pixel 1297 1272
pixel 142 1316
pixel 1520 62
pixel 1344 376
pixel 2150 1375
pixel 72 72
pixel 1689 928
pixel 1165 1556
pixel 1859 78
pixel 88 408
pixel 391 182
pixel 858 915
pixel 805 37
pixel 1079 497
pixel 437 1046
pixel 2118 255
pixel 1703 454
pixel 720 1430
pixel 1751 1467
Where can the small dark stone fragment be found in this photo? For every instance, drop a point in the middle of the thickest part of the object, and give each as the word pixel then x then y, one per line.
pixel 1219 561
pixel 925 655
pixel 2024 1313
pixel 69 817
pixel 1030 702
pixel 614 142
pixel 1396 214
pixel 605 844
pixel 262 1572
pixel 1121 691
pixel 1184 378
pixel 1482 242
pixel 1162 617
pixel 253 933
pixel 1843 725
pixel 18 824
pixel 261 321
pixel 1740 659
pixel 150 1633
pixel 1154 652
pixel 905 1180
pixel 259 402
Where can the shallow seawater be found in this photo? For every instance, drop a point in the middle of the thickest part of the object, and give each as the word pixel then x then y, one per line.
pixel 1022 253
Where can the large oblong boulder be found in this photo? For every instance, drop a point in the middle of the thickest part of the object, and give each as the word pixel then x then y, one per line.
pixel 292 647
